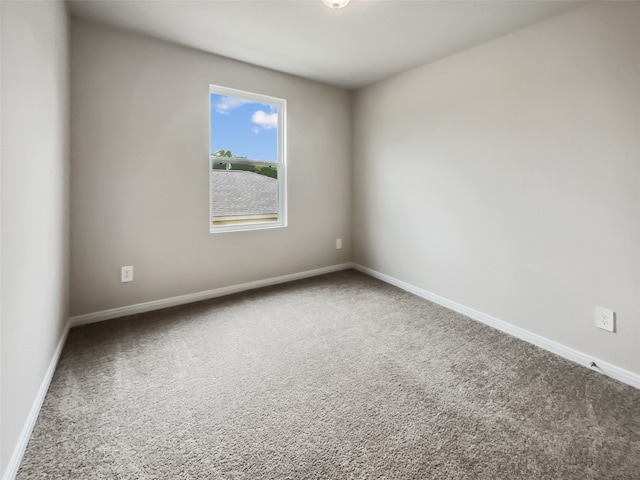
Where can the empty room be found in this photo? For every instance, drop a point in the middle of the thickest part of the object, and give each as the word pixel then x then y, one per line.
pixel 320 239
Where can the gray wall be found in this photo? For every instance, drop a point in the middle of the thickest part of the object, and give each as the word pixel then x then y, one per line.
pixel 34 204
pixel 507 178
pixel 139 173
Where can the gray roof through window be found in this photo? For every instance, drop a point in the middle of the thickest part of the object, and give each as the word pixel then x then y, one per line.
pixel 237 192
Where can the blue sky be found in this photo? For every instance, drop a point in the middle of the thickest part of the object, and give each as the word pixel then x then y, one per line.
pixel 247 128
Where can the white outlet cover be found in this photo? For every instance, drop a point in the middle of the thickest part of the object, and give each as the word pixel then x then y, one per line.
pixel 604 318
pixel 126 274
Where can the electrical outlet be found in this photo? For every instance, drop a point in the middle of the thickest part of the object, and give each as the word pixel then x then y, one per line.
pixel 338 243
pixel 605 319
pixel 126 274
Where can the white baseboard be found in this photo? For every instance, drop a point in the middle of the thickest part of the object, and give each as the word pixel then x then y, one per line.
pixel 569 353
pixel 196 297
pixel 18 451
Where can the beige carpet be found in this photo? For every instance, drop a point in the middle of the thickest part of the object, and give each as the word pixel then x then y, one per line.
pixel 335 377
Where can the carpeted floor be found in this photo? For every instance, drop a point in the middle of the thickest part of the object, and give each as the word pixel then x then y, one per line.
pixel 334 377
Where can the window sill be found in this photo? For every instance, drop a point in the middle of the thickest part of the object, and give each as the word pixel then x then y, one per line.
pixel 245 227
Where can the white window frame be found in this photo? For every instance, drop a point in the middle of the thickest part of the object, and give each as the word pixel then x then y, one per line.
pixel 280 163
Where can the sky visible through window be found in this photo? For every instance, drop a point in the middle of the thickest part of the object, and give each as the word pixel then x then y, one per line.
pixel 247 128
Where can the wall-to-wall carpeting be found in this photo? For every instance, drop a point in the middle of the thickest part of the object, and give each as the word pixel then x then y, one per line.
pixel 334 377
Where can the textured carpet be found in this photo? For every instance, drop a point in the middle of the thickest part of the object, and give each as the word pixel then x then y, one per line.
pixel 334 377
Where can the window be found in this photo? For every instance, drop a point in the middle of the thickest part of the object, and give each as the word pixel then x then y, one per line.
pixel 247 170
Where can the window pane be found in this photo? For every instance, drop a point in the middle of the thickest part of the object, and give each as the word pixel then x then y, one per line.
pixel 244 155
pixel 240 196
pixel 244 128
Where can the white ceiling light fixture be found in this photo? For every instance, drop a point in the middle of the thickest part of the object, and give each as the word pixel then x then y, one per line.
pixel 336 4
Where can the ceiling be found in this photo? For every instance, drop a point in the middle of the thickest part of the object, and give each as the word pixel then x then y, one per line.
pixel 364 42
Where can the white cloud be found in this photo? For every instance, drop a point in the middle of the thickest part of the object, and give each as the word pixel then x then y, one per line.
pixel 265 120
pixel 226 104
